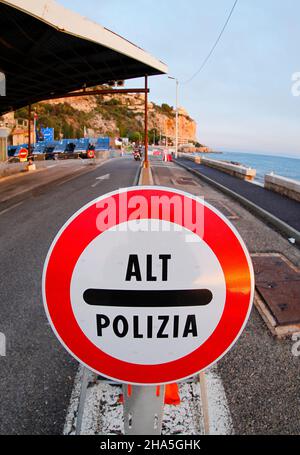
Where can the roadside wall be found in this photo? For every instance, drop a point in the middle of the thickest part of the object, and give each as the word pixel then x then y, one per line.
pixel 238 171
pixel 282 185
pixel 7 169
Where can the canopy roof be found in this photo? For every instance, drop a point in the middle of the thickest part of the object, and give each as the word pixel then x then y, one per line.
pixel 47 50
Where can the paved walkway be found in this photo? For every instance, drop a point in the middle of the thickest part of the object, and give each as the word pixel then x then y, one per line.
pixel 282 207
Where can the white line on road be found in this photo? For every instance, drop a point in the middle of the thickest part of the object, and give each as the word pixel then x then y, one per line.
pixel 100 179
pixel 10 208
pixel 2 345
pixel 77 170
pixel 220 422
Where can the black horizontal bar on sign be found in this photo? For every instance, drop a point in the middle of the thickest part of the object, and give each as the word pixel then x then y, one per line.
pixel 152 299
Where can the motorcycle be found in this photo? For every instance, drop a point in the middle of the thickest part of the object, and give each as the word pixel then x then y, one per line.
pixel 137 156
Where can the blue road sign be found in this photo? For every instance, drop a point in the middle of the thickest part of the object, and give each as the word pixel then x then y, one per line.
pixel 48 134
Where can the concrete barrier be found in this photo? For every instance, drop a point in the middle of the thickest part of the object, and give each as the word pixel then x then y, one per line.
pixel 40 157
pixel 188 156
pixel 102 154
pixel 7 169
pixel 283 185
pixel 237 170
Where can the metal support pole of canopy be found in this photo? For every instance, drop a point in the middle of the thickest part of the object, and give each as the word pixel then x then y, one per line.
pixel 29 130
pixel 146 160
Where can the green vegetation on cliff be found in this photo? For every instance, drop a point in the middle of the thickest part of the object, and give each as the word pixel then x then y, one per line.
pixel 70 122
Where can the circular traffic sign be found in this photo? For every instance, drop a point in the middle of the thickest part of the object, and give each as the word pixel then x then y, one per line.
pixel 148 285
pixel 23 154
pixel 91 154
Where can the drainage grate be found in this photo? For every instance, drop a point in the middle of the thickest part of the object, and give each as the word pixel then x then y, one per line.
pixel 278 285
pixel 230 214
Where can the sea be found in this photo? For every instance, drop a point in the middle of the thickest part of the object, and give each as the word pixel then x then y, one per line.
pixel 264 164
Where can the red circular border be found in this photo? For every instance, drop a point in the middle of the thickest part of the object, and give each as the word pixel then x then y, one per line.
pixel 23 153
pixel 57 277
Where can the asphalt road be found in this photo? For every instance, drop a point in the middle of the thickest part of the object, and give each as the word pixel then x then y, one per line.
pixel 282 207
pixel 37 374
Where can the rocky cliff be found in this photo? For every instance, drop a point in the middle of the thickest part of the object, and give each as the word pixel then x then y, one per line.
pixel 121 115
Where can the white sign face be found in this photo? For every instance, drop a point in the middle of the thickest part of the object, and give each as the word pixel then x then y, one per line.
pixel 104 265
pixel 148 285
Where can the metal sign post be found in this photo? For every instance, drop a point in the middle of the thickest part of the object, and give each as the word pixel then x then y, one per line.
pixel 143 409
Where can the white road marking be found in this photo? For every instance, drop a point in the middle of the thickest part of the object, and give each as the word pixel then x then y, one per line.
pixel 103 415
pixel 204 399
pixel 100 179
pixel 77 170
pixel 220 422
pixel 2 345
pixel 10 208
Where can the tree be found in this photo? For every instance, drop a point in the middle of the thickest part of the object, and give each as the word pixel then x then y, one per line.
pixel 135 136
pixel 167 109
pixel 153 136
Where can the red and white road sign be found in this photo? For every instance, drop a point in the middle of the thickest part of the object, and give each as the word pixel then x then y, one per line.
pixel 91 154
pixel 148 285
pixel 23 154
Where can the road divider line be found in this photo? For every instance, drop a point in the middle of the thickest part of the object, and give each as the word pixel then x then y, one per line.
pixel 101 179
pixel 204 399
pixel 11 208
pixel 220 422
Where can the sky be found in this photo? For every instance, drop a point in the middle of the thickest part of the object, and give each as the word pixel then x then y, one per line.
pixel 242 100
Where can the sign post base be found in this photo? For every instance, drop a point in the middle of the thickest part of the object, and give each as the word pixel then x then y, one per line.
pixel 143 409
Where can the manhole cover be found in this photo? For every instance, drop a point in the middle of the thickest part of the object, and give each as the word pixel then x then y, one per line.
pixel 278 284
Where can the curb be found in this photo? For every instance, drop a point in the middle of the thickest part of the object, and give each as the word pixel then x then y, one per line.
pixel 137 176
pixel 280 225
pixel 146 177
